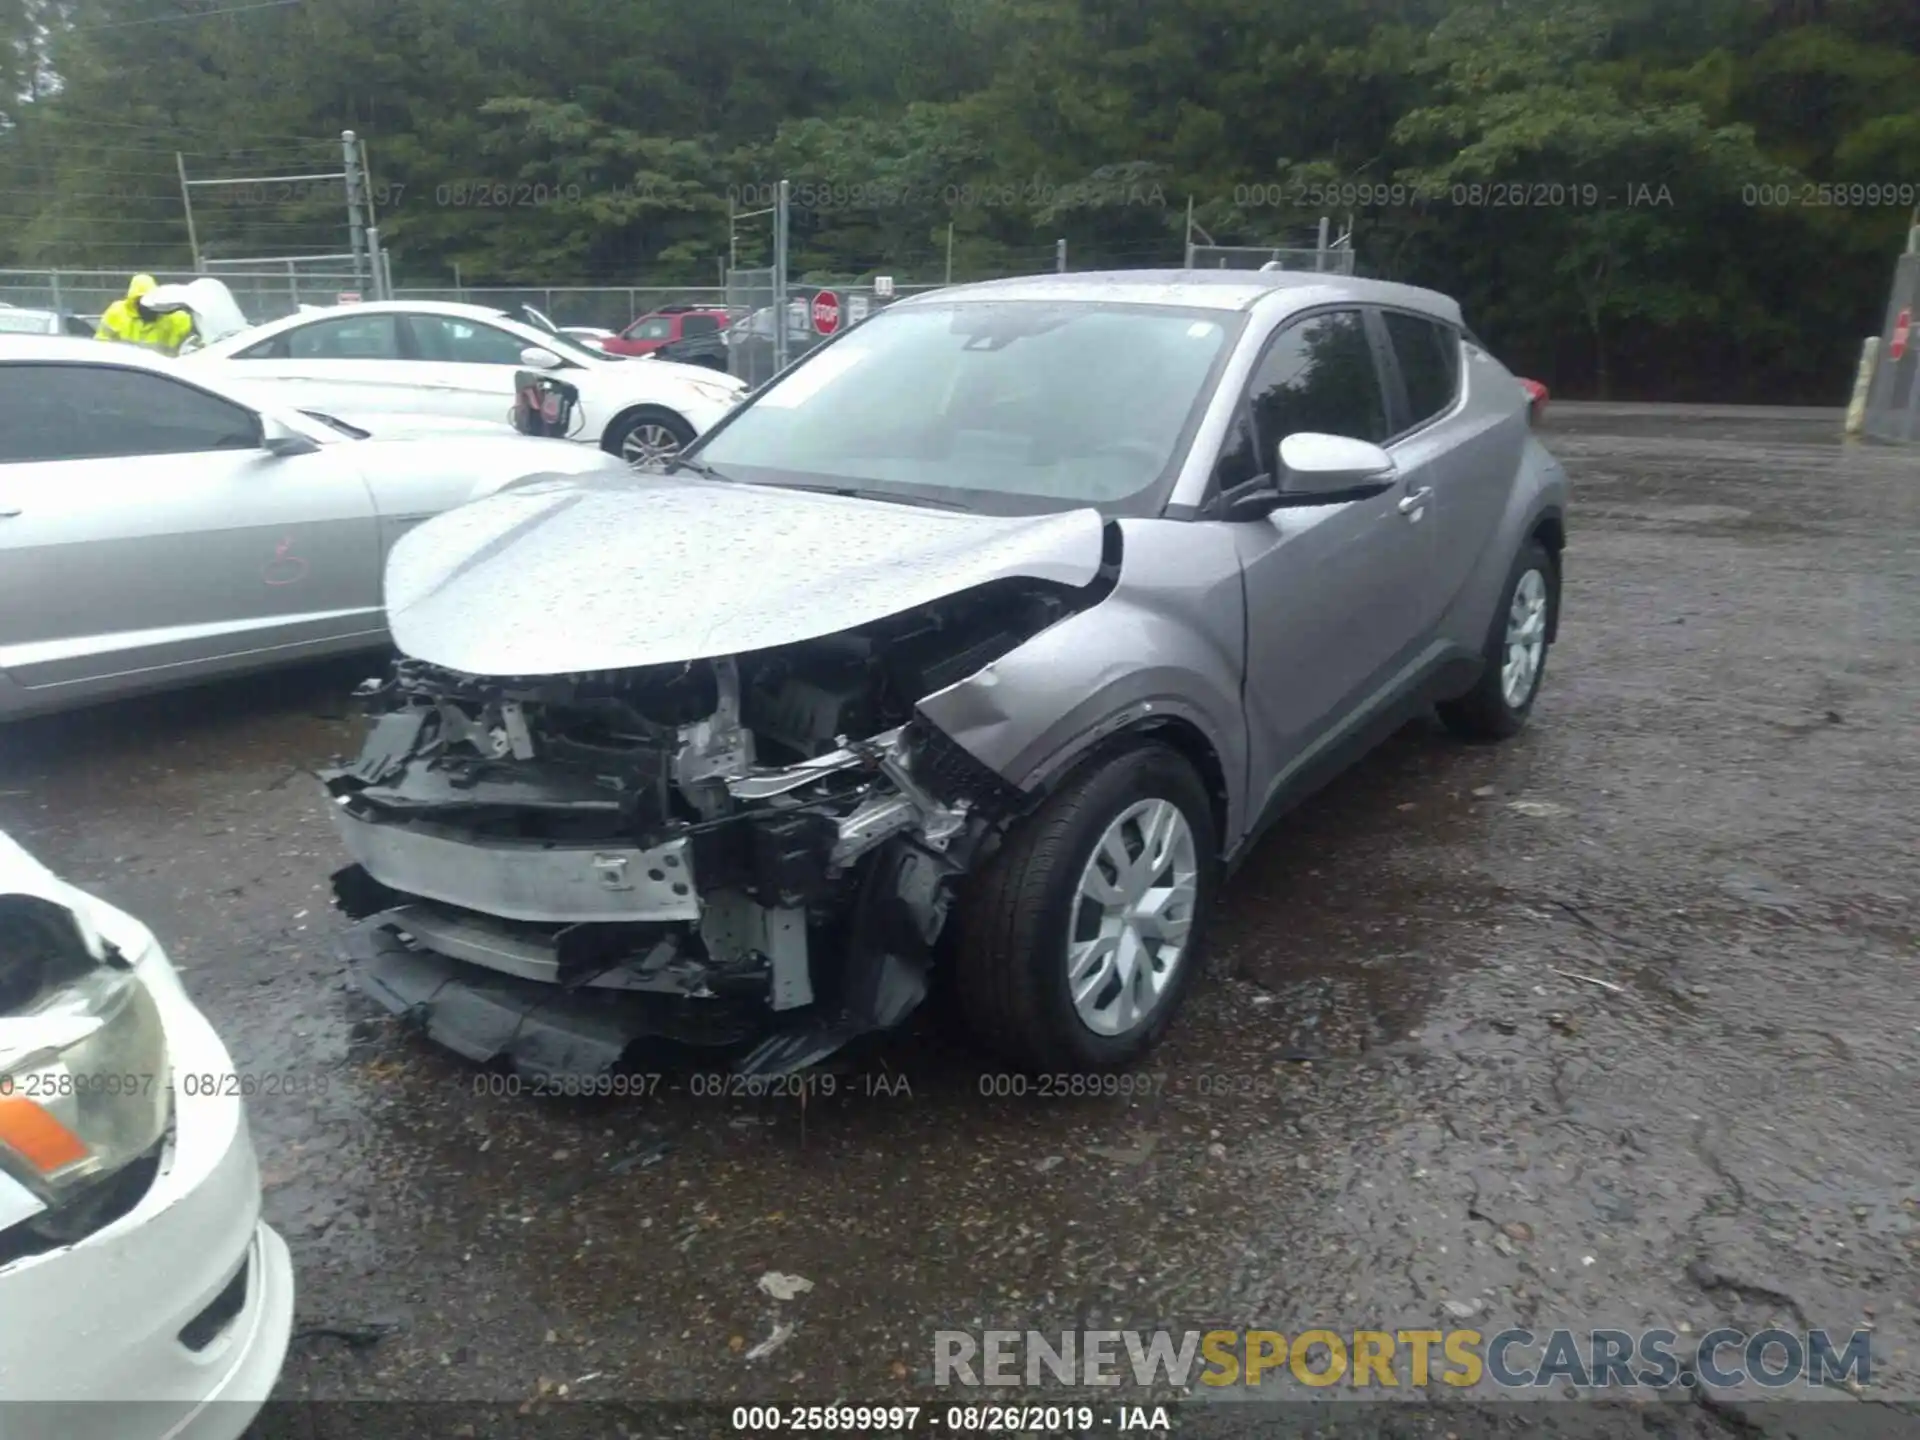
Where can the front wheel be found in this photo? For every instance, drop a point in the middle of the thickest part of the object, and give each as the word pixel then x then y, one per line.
pixel 1516 652
pixel 1078 942
pixel 648 437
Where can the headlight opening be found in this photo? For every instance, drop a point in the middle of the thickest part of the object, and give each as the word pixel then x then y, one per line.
pixel 84 1083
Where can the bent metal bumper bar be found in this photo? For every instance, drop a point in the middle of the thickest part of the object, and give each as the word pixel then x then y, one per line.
pixel 524 879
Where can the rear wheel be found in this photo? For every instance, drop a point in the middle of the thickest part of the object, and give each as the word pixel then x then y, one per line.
pixel 1078 941
pixel 649 436
pixel 1516 653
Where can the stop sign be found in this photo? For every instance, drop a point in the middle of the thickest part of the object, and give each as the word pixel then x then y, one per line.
pixel 1902 331
pixel 826 312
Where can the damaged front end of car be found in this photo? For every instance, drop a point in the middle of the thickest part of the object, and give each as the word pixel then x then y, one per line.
pixel 753 852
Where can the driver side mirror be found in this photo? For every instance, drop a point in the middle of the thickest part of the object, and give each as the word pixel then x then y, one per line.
pixel 538 357
pixel 281 439
pixel 1313 469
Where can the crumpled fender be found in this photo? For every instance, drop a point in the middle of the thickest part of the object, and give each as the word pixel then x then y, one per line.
pixel 1167 643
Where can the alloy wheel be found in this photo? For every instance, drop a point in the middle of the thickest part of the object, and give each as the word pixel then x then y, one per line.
pixel 1526 639
pixel 649 442
pixel 1133 912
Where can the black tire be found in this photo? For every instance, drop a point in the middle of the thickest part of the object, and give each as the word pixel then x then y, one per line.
pixel 1014 917
pixel 1484 712
pixel 615 440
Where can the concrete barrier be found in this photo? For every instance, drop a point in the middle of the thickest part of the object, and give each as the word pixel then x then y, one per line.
pixel 1863 385
pixel 1893 390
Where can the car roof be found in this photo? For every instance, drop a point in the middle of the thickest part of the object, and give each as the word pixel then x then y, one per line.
pixel 1201 290
pixel 399 307
pixel 75 347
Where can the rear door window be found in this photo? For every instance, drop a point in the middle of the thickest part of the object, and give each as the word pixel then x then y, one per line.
pixel 1429 357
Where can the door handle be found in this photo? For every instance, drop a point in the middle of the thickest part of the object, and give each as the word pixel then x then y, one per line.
pixel 1416 501
pixel 8 512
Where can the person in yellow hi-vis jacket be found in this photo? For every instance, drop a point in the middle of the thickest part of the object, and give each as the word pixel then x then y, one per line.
pixel 131 323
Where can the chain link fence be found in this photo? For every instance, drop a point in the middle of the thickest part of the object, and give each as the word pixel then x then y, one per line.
pixel 606 307
pixel 268 294
pixel 261 294
pixel 1334 260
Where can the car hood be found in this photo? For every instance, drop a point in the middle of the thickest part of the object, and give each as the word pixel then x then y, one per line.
pixel 607 572
pixel 651 370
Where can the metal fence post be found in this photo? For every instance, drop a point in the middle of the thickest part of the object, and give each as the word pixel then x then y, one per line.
pixel 53 276
pixel 779 315
pixel 356 219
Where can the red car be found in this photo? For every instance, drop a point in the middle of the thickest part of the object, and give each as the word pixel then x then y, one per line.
pixel 664 326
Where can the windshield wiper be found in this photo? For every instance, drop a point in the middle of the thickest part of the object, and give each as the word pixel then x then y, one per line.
pixel 698 467
pixel 849 492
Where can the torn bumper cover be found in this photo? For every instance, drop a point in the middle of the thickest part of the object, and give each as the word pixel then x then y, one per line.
pixel 561 872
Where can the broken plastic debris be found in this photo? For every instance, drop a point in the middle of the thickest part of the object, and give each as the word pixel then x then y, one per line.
pixel 1539 809
pixel 784 1287
pixel 782 1332
pixel 1606 985
pixel 1136 1156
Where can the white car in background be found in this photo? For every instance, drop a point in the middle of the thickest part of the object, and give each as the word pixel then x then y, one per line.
pixel 161 524
pixel 14 321
pixel 461 360
pixel 134 1266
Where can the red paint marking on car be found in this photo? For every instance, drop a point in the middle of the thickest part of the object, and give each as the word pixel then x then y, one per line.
pixel 285 568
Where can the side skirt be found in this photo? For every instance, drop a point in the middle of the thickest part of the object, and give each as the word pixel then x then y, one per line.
pixel 1441 672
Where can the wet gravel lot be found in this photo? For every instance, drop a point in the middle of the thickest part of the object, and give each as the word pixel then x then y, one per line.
pixel 1615 1025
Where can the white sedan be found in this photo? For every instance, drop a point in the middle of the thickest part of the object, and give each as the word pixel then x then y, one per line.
pixel 461 360
pixel 134 1266
pixel 160 524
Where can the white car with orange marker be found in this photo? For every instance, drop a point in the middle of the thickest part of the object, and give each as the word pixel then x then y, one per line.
pixel 134 1266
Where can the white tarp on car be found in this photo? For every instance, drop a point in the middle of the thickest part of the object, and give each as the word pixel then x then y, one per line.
pixel 216 314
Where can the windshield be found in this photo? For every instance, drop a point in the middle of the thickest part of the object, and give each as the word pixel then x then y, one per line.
pixel 561 343
pixel 1001 406
pixel 567 345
